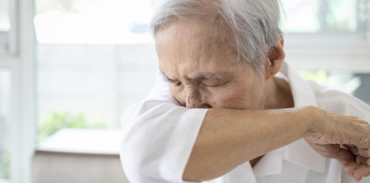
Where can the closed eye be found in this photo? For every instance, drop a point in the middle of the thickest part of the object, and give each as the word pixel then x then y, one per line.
pixel 215 83
pixel 176 82
pixel 172 81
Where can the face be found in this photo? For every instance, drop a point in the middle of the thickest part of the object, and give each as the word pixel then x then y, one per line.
pixel 200 61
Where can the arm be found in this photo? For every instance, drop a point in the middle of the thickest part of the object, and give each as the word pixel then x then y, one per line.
pixel 226 137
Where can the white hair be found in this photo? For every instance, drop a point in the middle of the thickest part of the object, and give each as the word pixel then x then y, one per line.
pixel 255 23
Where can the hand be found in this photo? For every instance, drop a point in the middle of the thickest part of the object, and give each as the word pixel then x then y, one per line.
pixel 361 167
pixel 329 131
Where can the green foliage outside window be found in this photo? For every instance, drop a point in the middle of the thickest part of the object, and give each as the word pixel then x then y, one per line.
pixel 320 77
pixel 4 164
pixel 56 120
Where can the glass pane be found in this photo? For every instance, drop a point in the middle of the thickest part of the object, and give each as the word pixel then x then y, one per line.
pixel 93 21
pixel 75 87
pixel 5 91
pixel 356 84
pixel 312 16
pixel 4 16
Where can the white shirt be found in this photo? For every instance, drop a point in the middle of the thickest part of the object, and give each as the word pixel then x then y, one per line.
pixel 159 135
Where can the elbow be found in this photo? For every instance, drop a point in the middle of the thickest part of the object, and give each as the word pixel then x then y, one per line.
pixel 198 173
pixel 194 177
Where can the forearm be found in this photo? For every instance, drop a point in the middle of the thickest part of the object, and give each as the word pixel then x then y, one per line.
pixel 229 138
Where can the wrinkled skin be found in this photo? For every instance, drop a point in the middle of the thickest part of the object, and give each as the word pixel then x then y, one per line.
pixel 356 161
pixel 199 59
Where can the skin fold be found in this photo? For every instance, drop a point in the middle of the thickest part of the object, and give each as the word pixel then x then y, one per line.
pixel 247 109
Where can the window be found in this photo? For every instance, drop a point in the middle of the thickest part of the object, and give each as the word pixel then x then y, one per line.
pixel 8 27
pixel 354 83
pixel 4 16
pixel 5 98
pixel 327 41
pixel 331 37
pixel 93 22
pixel 96 57
pixel 326 16
pixel 4 23
pixel 16 90
pixel 5 124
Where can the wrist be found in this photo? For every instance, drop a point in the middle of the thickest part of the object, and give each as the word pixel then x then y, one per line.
pixel 310 117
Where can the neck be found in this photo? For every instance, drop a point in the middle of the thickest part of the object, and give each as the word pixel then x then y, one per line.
pixel 278 94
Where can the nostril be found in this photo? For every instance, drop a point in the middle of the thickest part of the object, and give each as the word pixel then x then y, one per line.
pixel 206 106
pixel 201 106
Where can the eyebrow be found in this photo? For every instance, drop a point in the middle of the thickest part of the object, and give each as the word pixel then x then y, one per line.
pixel 205 76
pixel 210 76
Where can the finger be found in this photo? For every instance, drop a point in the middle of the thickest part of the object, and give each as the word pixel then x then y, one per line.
pixel 366 162
pixel 343 156
pixel 363 161
pixel 364 142
pixel 350 174
pixel 351 166
pixel 353 149
pixel 363 153
pixel 358 179
pixel 359 159
pixel 362 171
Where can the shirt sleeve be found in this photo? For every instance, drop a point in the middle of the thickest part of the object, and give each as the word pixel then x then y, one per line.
pixel 158 137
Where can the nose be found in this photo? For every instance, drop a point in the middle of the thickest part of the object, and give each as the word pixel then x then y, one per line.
pixel 194 99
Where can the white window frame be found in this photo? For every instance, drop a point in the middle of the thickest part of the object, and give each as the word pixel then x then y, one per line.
pixel 337 51
pixel 9 39
pixel 17 55
pixel 3 41
pixel 7 63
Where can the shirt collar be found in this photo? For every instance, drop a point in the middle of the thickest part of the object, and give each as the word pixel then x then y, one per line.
pixel 298 152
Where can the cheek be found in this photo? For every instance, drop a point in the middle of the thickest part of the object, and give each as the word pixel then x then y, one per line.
pixel 229 98
pixel 238 95
pixel 178 93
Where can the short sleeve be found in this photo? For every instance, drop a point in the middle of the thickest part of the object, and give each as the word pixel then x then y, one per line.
pixel 158 137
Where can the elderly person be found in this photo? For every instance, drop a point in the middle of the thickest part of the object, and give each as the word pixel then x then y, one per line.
pixel 227 109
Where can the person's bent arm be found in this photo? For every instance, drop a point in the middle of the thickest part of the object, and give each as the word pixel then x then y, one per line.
pixel 228 138
pixel 163 142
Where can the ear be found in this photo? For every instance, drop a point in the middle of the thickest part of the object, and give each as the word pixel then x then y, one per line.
pixel 275 60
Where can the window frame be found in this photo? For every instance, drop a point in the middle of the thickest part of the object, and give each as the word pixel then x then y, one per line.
pixel 3 40
pixel 9 39
pixel 349 51
pixel 17 49
pixel 7 63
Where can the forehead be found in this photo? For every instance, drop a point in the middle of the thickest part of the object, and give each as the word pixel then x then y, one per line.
pixel 198 31
pixel 192 43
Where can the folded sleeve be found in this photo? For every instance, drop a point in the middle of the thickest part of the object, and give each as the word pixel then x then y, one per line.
pixel 158 137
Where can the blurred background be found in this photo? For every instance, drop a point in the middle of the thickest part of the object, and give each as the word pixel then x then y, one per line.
pixel 81 63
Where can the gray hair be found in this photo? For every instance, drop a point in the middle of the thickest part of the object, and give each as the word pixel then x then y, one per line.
pixel 255 23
